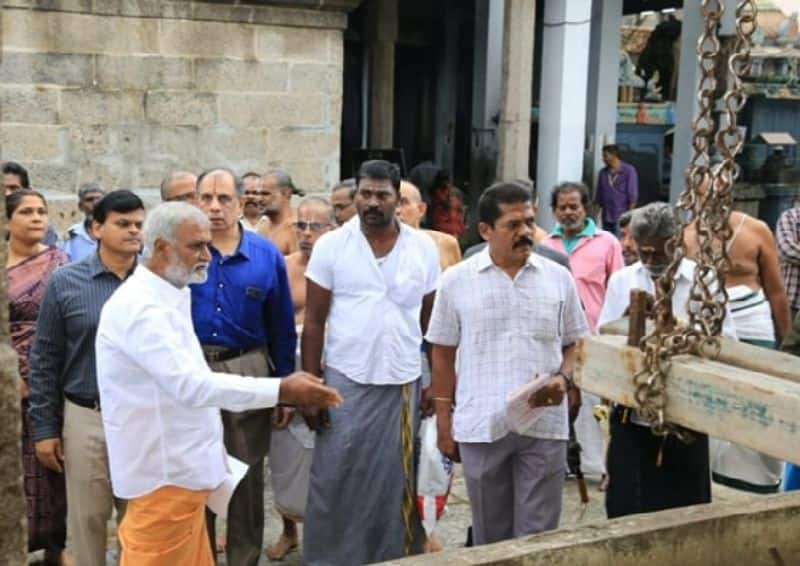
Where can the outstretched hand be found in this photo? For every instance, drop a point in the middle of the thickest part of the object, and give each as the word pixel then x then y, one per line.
pixel 306 390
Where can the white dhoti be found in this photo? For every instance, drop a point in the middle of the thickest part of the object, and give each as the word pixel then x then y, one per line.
pixel 590 437
pixel 734 465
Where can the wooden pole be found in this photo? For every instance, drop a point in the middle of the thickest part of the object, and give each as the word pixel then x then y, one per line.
pixel 732 352
pixel 757 410
pixel 637 313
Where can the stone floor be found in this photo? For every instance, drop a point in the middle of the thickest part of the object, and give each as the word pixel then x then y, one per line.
pixel 452 529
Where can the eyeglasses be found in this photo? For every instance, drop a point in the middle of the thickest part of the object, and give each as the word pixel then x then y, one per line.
pixel 313 226
pixel 256 193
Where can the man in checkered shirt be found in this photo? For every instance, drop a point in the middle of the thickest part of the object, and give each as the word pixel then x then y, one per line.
pixel 787 235
pixel 508 315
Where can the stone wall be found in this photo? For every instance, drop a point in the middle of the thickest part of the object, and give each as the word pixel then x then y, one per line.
pixel 122 91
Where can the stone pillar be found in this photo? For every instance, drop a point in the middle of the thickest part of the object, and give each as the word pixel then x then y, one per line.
pixel 486 78
pixel 516 81
pixel 562 107
pixel 686 103
pixel 447 87
pixel 601 108
pixel 13 547
pixel 381 27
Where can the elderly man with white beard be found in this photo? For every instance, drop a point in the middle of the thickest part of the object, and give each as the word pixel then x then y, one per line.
pixel 161 400
pixel 648 472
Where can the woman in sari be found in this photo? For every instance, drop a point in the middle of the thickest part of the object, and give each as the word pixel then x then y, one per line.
pixel 29 266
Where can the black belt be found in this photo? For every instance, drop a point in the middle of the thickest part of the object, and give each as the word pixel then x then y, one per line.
pixel 224 355
pixel 93 404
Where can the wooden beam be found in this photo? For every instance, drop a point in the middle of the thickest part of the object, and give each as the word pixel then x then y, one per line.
pixel 734 353
pixel 756 410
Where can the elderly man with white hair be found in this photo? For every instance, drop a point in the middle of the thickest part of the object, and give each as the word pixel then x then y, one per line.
pixel 648 472
pixel 161 400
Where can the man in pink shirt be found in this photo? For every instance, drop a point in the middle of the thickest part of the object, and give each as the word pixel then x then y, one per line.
pixel 594 255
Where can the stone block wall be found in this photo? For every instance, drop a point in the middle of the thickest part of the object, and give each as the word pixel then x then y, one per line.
pixel 123 91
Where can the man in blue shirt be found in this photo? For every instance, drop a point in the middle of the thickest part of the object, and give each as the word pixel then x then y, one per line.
pixel 79 241
pixel 244 318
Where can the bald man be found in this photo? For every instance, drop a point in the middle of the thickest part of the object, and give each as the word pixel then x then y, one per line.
pixel 278 188
pixel 412 209
pixel 291 463
pixel 179 186
pixel 314 218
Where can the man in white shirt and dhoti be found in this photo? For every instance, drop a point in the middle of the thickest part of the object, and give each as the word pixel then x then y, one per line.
pixel 161 401
pixel 373 282
pixel 649 472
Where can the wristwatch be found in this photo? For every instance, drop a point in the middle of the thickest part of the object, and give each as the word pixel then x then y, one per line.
pixel 568 379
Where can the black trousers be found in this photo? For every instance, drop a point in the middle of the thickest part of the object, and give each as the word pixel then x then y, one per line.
pixel 638 484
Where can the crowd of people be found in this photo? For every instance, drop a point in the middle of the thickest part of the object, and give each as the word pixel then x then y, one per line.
pixel 140 333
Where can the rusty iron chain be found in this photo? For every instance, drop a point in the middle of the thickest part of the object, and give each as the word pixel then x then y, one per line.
pixel 706 201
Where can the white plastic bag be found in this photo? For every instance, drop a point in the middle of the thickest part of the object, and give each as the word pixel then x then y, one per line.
pixel 290 453
pixel 434 476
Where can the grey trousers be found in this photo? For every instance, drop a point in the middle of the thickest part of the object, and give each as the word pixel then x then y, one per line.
pixel 246 438
pixel 514 486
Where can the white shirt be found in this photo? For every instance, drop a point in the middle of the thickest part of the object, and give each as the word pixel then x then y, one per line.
pixel 636 276
pixel 507 332
pixel 160 400
pixel 261 221
pixel 374 334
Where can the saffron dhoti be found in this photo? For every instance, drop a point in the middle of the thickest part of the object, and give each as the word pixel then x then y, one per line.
pixel 166 527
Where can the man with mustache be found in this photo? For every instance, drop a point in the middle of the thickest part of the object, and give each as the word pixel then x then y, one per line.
pixel 65 408
pixel 539 235
pixel 372 282
pixel 617 188
pixel 162 400
pixel 278 189
pixel 342 200
pixel 505 316
pixel 244 318
pixel 648 472
pixel 629 252
pixel 253 203
pixel 594 255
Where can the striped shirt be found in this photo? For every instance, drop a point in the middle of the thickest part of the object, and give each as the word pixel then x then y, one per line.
pixel 787 236
pixel 62 358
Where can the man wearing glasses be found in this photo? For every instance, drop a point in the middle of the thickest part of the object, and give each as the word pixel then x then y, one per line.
pixel 244 319
pixel 254 203
pixel 291 447
pixel 179 186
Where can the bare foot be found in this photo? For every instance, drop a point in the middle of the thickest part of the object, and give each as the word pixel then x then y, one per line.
pixel 221 542
pixel 58 558
pixel 603 483
pixel 280 549
pixel 432 544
